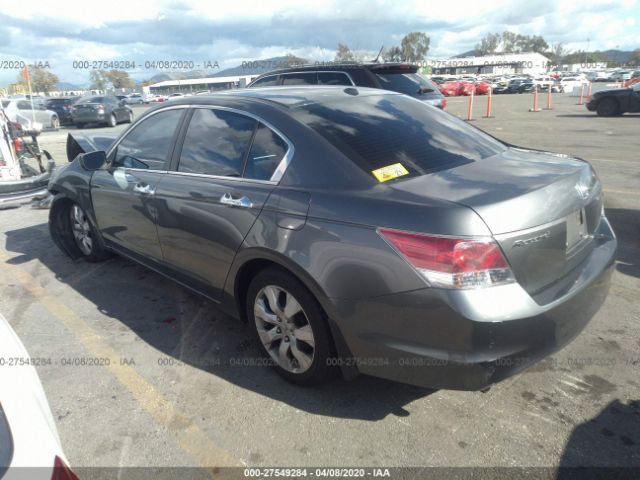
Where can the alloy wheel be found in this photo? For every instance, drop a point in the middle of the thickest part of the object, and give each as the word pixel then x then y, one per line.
pixel 81 230
pixel 284 329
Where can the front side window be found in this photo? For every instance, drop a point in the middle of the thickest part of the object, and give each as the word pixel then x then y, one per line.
pixel 216 143
pixel 267 151
pixel 150 143
pixel 24 105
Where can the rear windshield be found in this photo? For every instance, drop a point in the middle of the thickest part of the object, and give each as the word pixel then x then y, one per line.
pixel 91 100
pixel 407 83
pixel 59 101
pixel 376 131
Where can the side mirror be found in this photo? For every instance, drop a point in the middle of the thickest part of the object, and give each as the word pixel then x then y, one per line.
pixel 93 160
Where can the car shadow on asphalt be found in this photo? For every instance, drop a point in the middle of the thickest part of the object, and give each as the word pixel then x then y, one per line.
pixel 606 446
pixel 626 225
pixel 186 328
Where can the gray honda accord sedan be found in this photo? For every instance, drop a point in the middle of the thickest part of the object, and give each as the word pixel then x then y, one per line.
pixel 355 230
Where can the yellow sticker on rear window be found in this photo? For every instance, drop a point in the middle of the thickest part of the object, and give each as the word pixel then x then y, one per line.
pixel 390 172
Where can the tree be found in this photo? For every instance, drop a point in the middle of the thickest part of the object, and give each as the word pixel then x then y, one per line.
pixel 343 54
pixel 393 54
pixel 557 53
pixel 42 80
pixel 510 42
pixel 533 43
pixel 414 46
pixel 119 79
pixel 488 44
pixel 98 79
pixel 635 58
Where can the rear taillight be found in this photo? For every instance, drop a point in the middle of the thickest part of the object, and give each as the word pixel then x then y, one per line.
pixel 443 103
pixel 17 144
pixel 451 262
pixel 61 471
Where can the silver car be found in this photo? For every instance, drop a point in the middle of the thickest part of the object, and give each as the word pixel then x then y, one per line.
pixel 27 113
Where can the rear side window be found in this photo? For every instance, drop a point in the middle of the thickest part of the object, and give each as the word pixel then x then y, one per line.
pixel 149 144
pixel 377 131
pixel 301 78
pixel 266 81
pixel 333 78
pixel 216 143
pixel 407 83
pixel 267 151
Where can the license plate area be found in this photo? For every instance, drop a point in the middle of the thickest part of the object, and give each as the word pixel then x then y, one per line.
pixel 577 233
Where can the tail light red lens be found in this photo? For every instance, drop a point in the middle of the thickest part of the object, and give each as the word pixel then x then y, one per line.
pixel 61 471
pixel 443 103
pixel 451 262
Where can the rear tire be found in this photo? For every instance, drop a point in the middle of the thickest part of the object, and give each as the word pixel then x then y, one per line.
pixel 607 107
pixel 129 118
pixel 55 122
pixel 290 327
pixel 112 121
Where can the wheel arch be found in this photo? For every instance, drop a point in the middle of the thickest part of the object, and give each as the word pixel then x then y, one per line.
pixel 251 261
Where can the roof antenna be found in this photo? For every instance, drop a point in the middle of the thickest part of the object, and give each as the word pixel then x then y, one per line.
pixel 375 60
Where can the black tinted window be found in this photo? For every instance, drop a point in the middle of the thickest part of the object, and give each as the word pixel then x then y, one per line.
pixel 149 144
pixel 91 100
pixel 216 143
pixel 381 130
pixel 407 83
pixel 266 81
pixel 266 152
pixel 24 105
pixel 308 78
pixel 333 78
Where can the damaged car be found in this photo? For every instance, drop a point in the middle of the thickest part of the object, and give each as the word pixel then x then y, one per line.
pixel 355 230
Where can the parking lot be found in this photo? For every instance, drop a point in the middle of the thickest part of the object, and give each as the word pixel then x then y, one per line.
pixel 141 372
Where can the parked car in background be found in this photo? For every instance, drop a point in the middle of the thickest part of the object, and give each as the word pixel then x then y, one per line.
pixel 29 442
pixel 134 98
pixel 27 114
pixel 569 83
pixel 620 75
pixel 616 101
pixel 397 77
pixel 62 107
pixel 544 81
pixel 483 88
pixel 520 85
pixel 467 88
pixel 351 223
pixel 450 89
pixel 175 96
pixel 102 109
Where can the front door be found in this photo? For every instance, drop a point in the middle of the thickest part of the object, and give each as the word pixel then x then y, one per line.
pixel 123 193
pixel 208 205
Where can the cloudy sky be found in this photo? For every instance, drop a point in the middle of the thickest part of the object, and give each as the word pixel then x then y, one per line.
pixel 231 32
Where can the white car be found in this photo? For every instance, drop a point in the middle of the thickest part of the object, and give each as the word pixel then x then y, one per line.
pixel 134 98
pixel 544 81
pixel 32 116
pixel 175 96
pixel 569 83
pixel 28 435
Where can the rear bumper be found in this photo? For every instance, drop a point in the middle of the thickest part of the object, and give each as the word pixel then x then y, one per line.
pixel 89 118
pixel 469 339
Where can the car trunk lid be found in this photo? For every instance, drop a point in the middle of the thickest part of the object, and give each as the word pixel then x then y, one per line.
pixel 542 208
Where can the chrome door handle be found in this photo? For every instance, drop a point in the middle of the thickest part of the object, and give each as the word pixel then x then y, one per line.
pixel 243 201
pixel 144 188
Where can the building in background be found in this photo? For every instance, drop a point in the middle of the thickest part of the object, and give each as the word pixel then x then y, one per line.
pixel 193 85
pixel 527 63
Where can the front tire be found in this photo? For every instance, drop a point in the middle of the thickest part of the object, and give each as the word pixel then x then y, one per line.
pixel 607 107
pixel 290 327
pixel 55 122
pixel 84 235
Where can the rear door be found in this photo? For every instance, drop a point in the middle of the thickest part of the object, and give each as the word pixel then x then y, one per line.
pixel 224 173
pixel 635 98
pixel 123 194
